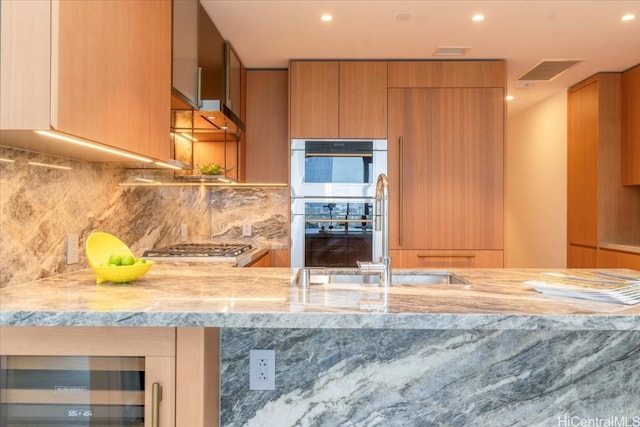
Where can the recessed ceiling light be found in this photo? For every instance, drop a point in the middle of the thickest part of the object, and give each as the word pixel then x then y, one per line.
pixel 326 17
pixel 403 16
pixel 509 97
pixel 477 18
pixel 628 17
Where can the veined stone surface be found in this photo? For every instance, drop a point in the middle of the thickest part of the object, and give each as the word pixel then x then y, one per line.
pixel 346 377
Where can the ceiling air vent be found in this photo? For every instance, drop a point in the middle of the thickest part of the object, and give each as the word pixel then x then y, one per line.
pixel 451 50
pixel 549 69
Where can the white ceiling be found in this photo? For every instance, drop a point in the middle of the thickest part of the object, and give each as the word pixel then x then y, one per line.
pixel 267 33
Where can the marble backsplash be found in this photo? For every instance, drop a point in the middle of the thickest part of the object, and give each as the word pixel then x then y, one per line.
pixel 40 205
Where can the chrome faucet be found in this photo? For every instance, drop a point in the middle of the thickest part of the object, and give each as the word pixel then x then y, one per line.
pixel 381 223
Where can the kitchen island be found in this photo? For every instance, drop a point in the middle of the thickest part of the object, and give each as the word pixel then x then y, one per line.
pixel 497 353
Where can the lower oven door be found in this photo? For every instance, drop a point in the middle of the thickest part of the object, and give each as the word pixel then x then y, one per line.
pixel 333 232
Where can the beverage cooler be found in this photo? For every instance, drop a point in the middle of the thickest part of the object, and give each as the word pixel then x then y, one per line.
pixel 87 376
pixel 72 391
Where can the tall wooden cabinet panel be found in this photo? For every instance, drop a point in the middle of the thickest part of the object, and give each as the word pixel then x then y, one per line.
pixel 631 126
pixel 446 168
pixel 338 99
pixel 582 164
pixel 267 146
pixel 600 209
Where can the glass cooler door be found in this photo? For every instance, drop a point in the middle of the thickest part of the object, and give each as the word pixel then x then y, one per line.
pixel 72 391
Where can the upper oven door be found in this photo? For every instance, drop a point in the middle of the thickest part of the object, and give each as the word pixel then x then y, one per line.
pixel 336 168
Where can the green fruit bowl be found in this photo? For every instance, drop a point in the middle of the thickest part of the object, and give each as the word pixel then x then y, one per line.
pixel 100 247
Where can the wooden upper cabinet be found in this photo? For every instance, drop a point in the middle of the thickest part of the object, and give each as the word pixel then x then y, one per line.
pixel 98 70
pixel 363 100
pixel 92 76
pixel 25 60
pixel 314 92
pixel 631 126
pixel 338 99
pixel 267 149
pixel 411 74
pixel 150 78
pixel 114 74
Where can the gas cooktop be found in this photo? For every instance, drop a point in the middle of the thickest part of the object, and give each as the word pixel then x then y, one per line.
pixel 199 251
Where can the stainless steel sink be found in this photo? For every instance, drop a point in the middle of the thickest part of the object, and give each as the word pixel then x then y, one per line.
pixel 323 276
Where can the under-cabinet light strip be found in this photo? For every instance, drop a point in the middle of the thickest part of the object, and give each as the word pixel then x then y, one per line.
pixel 93 145
pixel 48 165
pixel 167 165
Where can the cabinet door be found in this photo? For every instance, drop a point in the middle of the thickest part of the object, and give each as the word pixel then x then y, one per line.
pixel 92 98
pixel 446 168
pixel 363 100
pixel 150 78
pixel 608 258
pixel 267 150
pixel 579 256
pixel 185 48
pixel 113 75
pixel 314 99
pixel 582 166
pixel 25 61
pixel 631 126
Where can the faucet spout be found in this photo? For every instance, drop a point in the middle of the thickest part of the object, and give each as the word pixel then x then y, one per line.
pixel 381 224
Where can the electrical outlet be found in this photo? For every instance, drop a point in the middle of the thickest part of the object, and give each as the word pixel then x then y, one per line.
pixel 262 370
pixel 246 229
pixel 72 248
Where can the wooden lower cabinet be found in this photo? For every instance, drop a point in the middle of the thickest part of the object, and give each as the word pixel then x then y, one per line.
pixel 167 377
pixel 580 256
pixel 608 258
pixel 431 258
pixel 264 261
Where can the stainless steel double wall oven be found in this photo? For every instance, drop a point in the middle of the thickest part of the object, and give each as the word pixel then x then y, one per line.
pixel 332 201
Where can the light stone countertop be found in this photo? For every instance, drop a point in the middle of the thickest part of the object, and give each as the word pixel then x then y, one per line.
pixel 219 295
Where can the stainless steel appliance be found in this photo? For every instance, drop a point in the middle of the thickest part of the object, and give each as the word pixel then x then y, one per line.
pixel 333 232
pixel 332 201
pixel 221 252
pixel 336 167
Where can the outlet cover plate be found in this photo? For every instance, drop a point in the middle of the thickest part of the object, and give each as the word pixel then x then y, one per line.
pixel 262 370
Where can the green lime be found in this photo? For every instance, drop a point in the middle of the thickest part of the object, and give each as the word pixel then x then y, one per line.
pixel 115 259
pixel 127 260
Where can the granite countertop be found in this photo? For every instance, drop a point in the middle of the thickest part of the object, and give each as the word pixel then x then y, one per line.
pixel 218 295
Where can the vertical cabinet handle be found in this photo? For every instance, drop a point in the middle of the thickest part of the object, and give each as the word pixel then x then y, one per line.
pixel 400 187
pixel 156 397
pixel 199 87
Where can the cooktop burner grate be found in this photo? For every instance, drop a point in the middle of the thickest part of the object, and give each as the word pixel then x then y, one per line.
pixel 199 250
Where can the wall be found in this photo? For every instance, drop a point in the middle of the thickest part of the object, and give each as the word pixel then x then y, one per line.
pixel 536 201
pixel 40 205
